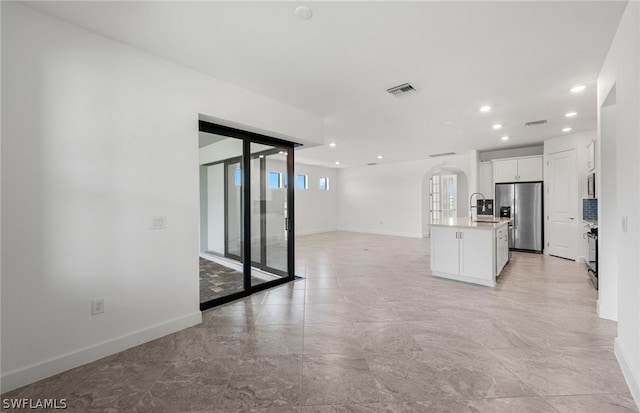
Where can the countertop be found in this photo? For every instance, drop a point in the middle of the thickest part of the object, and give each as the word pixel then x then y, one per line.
pixel 593 223
pixel 464 222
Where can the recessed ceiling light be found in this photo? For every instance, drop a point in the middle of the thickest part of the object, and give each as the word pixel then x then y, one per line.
pixel 505 138
pixel 485 108
pixel 566 129
pixel 261 156
pixel 332 144
pixel 571 114
pixel 303 12
pixel 281 152
pixel 379 156
pixel 577 89
pixel 337 162
pixel 497 126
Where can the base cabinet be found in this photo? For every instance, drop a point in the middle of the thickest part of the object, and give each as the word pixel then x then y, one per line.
pixel 467 253
pixel 502 249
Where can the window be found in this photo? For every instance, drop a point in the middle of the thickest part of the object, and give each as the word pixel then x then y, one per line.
pixel 302 182
pixel 286 180
pixel 275 180
pixel 238 177
pixel 324 183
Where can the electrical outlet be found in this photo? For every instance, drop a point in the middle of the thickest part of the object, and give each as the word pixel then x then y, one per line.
pixel 97 306
pixel 158 222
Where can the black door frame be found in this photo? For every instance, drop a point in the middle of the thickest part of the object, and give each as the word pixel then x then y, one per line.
pixel 245 166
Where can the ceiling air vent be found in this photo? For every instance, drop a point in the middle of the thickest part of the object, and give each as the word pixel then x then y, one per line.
pixel 435 155
pixel 372 163
pixel 536 122
pixel 401 90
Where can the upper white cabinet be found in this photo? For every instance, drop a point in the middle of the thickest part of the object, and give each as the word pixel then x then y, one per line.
pixel 518 169
pixel 591 156
pixel 485 179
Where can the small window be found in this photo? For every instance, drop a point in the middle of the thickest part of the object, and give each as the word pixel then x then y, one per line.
pixel 286 180
pixel 275 180
pixel 324 183
pixel 238 177
pixel 303 182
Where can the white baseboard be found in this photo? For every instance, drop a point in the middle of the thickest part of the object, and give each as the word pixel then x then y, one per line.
pixel 17 378
pixel 315 231
pixel 378 232
pixel 608 313
pixel 627 370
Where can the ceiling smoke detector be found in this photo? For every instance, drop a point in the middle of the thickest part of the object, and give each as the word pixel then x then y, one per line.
pixel 536 122
pixel 401 90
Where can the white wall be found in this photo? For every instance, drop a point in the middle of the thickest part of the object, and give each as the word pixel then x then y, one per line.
pixel 316 211
pixel 622 69
pixel 387 198
pixel 579 142
pixel 97 138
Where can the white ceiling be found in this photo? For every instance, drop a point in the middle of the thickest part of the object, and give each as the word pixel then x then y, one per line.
pixel 519 57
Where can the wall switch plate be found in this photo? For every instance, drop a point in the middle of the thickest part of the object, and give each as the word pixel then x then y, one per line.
pixel 624 224
pixel 97 306
pixel 158 222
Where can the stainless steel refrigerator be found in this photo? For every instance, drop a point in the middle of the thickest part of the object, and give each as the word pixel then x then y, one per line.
pixel 525 203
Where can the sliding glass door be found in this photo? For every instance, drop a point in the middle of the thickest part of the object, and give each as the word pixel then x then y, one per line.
pixel 246 213
pixel 269 212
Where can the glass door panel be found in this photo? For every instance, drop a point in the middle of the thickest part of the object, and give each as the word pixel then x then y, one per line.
pixel 233 231
pixel 269 217
pixel 221 270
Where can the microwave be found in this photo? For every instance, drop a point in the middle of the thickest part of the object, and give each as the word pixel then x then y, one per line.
pixel 591 185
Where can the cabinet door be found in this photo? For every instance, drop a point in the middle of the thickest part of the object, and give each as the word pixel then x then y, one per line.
pixel 444 250
pixel 505 171
pixel 485 179
pixel 476 253
pixel 530 169
pixel 504 252
pixel 591 156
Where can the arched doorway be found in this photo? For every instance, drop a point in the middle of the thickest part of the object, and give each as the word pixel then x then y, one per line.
pixel 445 190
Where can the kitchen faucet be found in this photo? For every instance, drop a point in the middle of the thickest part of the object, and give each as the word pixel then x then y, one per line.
pixel 471 206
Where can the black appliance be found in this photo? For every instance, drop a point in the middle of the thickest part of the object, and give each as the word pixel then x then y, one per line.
pixel 592 256
pixel 485 207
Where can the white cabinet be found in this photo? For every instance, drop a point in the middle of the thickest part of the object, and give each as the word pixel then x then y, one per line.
pixel 518 169
pixel 444 250
pixel 485 179
pixel 464 254
pixel 591 156
pixel 502 248
pixel 475 260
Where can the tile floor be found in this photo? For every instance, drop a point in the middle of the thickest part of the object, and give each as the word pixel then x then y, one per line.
pixel 218 281
pixel 369 330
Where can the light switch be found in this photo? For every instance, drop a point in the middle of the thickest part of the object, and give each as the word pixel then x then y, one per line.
pixel 624 224
pixel 158 222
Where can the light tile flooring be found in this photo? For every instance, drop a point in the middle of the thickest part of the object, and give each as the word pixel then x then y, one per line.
pixel 369 330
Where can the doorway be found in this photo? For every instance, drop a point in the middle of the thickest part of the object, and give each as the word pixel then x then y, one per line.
pixel 444 195
pixel 562 190
pixel 246 213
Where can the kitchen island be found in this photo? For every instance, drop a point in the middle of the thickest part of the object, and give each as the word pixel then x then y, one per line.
pixel 469 251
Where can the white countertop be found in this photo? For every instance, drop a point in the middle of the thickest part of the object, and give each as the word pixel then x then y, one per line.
pixel 464 222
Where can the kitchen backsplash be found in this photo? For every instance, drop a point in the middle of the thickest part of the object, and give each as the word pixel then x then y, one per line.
pixel 590 209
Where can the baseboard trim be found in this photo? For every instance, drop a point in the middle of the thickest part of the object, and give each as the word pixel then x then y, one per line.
pixel 21 377
pixel 627 371
pixel 315 231
pixel 391 233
